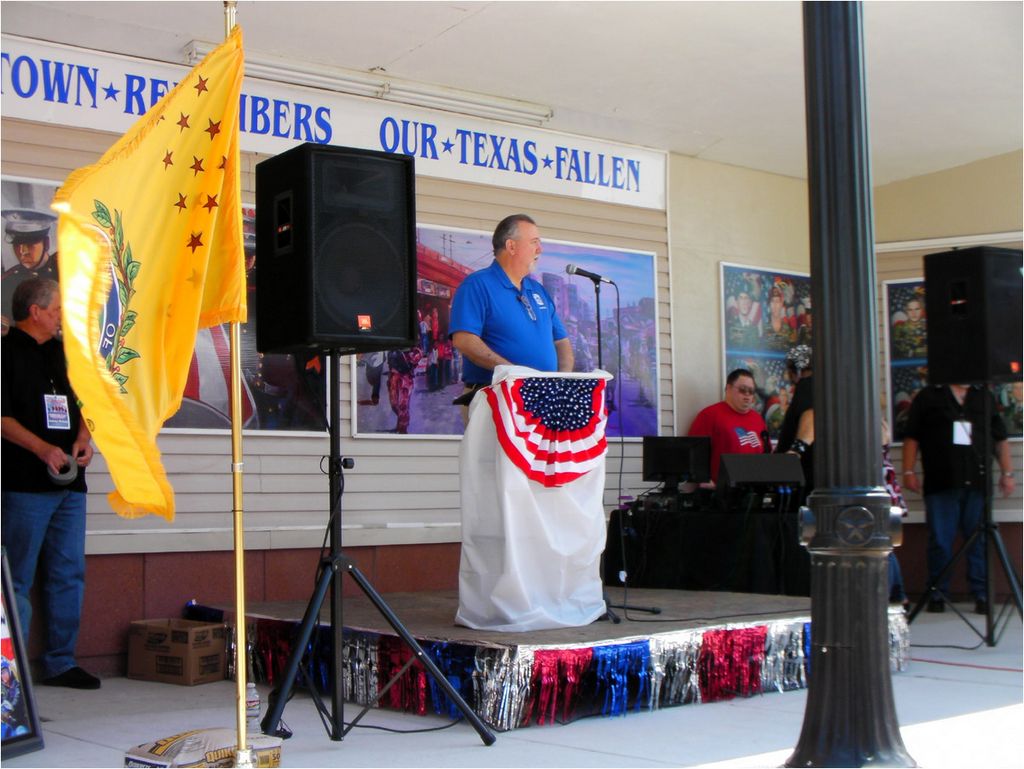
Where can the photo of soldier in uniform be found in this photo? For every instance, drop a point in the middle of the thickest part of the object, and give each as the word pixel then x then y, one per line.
pixel 908 327
pixel 907 345
pixel 28 237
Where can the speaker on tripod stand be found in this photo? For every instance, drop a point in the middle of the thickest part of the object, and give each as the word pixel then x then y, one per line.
pixel 336 262
pixel 336 251
pixel 974 304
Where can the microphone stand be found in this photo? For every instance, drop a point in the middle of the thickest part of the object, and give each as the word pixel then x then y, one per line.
pixel 622 528
pixel 600 354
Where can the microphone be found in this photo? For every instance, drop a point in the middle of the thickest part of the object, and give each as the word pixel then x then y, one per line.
pixel 572 269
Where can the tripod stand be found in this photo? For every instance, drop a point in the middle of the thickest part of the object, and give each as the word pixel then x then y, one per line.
pixel 330 580
pixel 988 531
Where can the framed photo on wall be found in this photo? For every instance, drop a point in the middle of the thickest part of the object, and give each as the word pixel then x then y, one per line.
pixel 30 238
pixel 19 730
pixel 906 342
pixel 279 392
pixel 410 392
pixel 765 313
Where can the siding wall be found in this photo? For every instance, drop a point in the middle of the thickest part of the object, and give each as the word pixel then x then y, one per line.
pixel 401 491
pixel 400 507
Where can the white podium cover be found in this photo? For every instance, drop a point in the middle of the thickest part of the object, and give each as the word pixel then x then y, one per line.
pixel 532 466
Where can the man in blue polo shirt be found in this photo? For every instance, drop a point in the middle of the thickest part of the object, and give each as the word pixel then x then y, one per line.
pixel 501 316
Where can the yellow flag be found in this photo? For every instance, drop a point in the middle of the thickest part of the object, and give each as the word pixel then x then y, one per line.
pixel 150 250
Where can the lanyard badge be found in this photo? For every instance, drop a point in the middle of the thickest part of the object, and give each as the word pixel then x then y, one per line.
pixel 962 432
pixel 58 415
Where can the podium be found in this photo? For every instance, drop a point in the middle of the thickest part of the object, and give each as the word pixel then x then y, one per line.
pixel 532 473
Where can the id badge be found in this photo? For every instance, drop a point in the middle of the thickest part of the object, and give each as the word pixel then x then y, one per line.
pixel 58 417
pixel 961 433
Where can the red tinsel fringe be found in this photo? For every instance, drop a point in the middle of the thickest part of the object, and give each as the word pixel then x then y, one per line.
pixel 730 663
pixel 273 645
pixel 410 692
pixel 550 666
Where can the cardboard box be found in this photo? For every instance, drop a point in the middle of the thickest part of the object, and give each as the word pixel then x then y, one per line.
pixel 177 651
pixel 205 747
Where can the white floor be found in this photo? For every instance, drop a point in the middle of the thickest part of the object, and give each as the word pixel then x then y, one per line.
pixel 957 707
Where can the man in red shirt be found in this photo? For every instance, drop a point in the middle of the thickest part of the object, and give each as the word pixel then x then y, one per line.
pixel 732 424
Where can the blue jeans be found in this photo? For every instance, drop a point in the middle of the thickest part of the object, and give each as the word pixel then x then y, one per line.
pixel 48 527
pixel 896 593
pixel 948 512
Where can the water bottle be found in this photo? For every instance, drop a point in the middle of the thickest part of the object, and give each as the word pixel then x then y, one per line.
pixel 252 708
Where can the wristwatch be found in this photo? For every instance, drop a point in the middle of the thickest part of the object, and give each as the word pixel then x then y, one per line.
pixel 1008 473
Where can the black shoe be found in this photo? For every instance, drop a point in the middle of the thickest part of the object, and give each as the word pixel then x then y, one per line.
pixel 936 606
pixel 981 606
pixel 74 678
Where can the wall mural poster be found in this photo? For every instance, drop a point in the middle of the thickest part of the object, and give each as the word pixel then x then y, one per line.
pixel 411 392
pixel 906 329
pixel 279 392
pixel 764 314
pixel 30 238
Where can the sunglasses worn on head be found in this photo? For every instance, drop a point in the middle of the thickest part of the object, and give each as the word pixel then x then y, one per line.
pixel 529 307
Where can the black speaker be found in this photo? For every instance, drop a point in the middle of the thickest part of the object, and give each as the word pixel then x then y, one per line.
pixel 759 470
pixel 335 250
pixel 973 302
pixel 753 482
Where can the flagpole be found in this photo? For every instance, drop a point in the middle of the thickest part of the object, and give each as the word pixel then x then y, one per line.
pixel 243 755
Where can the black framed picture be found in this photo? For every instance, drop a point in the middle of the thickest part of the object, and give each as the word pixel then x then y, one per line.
pixel 906 342
pixel 19 732
pixel 765 313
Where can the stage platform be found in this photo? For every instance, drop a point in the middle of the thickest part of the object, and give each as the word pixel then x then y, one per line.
pixel 701 647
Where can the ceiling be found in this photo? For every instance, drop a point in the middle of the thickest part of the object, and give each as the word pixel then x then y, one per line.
pixel 721 81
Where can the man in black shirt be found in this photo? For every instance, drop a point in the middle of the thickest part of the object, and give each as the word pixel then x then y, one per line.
pixel 946 424
pixel 45 449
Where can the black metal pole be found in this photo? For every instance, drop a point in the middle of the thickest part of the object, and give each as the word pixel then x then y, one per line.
pixel 283 689
pixel 986 522
pixel 439 678
pixel 988 530
pixel 850 717
pixel 337 619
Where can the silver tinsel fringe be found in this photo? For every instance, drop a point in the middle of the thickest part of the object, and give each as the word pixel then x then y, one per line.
pixel 784 668
pixel 360 667
pixel 899 639
pixel 673 671
pixel 501 685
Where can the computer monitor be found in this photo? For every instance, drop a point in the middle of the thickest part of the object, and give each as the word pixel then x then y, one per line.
pixel 675 459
